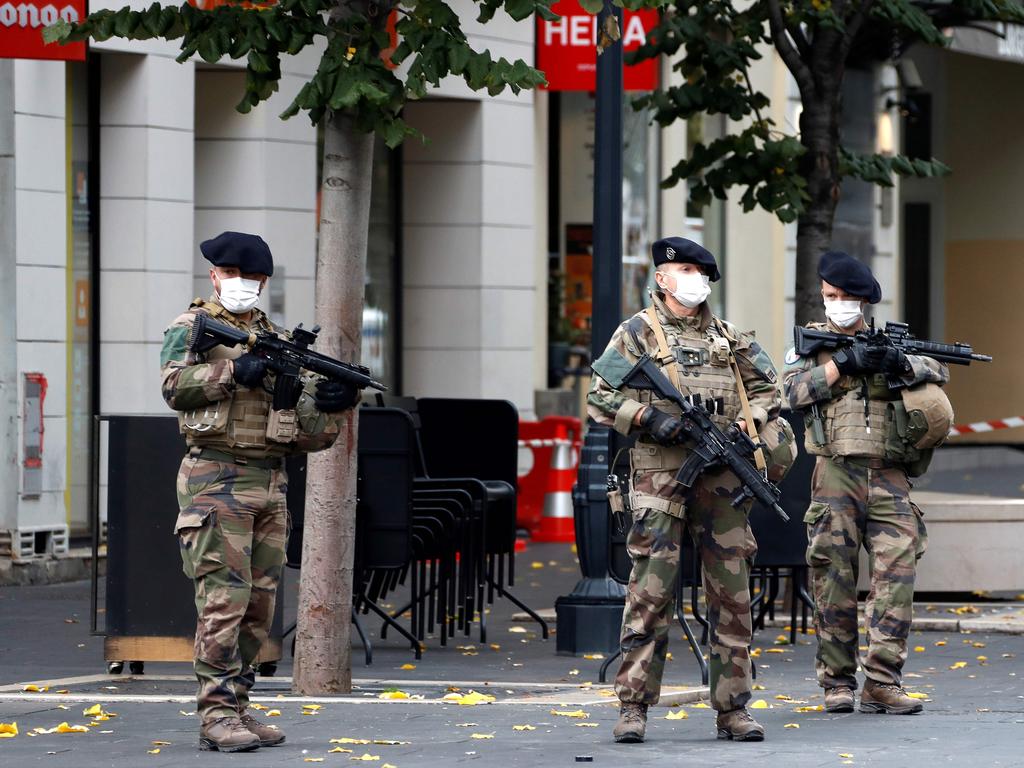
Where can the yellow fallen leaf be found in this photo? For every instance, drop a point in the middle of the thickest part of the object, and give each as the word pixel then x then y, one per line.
pixel 30 688
pixel 153 751
pixel 63 728
pixel 312 759
pixel 845 755
pixel 982 658
pixel 524 728
pixel 579 713
pixel 63 690
pixel 668 656
pixel 393 695
pixel 408 666
pixel 517 630
pixel 273 713
pixel 585 725
pixel 758 687
pixel 755 653
pixel 939 643
pixel 574 672
pixel 919 649
pixel 791 725
pixel 759 704
pixel 679 714
pixel 810 708
pixel 8 730
pixel 783 697
pixel 339 750
pixel 391 742
pixel 183 713
pixel 387 765
pixel 257 707
pixel 494 647
pixel 958 665
pixel 366 757
pixel 782 640
pixel 607 693
pixel 63 706
pixel 473 698
pixel 701 705
pixel 312 707
pixel 918 695
pixel 593 656
pixel 536 565
pixel 346 740
pixel 161 743
pixel 481 736
pixel 775 650
pixel 95 709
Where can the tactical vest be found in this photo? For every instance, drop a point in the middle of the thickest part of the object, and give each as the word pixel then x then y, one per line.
pixel 242 423
pixel 702 360
pixel 846 424
pixel 701 357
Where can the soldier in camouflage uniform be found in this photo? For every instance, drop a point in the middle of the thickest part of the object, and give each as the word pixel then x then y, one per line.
pixel 860 494
pixel 233 524
pixel 699 347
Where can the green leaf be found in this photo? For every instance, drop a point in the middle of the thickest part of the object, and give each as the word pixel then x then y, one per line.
pixel 56 32
pixel 592 6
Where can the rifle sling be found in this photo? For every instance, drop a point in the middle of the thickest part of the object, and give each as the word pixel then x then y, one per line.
pixel 664 355
pixel 748 418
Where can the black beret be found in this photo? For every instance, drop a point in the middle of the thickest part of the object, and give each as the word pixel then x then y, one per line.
pixel 843 271
pixel 237 249
pixel 679 250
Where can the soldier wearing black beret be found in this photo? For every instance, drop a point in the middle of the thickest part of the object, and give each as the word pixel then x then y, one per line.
pixel 695 349
pixel 860 492
pixel 239 420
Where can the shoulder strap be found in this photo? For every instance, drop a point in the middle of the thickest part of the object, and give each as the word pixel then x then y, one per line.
pixel 748 418
pixel 664 354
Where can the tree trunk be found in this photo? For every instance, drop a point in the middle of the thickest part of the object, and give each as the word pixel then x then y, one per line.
pixel 8 308
pixel 322 648
pixel 819 132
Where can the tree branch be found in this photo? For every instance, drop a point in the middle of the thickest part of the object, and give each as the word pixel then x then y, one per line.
pixel 784 45
pixel 853 28
pixel 800 39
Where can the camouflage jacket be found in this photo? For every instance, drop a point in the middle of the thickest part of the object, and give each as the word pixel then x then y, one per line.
pixel 804 383
pixel 192 382
pixel 618 408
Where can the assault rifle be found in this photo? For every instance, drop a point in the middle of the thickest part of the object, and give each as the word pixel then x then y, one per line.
pixel 713 447
pixel 285 358
pixel 809 341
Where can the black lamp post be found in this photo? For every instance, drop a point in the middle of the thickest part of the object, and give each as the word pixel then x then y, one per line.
pixel 590 617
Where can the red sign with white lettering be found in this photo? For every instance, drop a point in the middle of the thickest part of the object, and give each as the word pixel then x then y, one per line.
pixel 21 29
pixel 567 48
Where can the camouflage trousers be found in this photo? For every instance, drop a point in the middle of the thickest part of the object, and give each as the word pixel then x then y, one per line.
pixel 232 531
pixel 725 546
pixel 854 505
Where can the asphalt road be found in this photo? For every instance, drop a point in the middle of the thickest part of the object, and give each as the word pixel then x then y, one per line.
pixel 975 716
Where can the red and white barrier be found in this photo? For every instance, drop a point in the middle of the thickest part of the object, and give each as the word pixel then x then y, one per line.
pixel 987 426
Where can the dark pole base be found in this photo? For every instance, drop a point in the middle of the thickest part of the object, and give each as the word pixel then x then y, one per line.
pixel 590 623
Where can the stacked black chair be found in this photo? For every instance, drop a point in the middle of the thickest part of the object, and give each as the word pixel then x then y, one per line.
pixel 467 455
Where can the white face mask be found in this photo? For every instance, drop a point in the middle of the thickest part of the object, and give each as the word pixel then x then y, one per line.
pixel 845 314
pixel 238 295
pixel 692 288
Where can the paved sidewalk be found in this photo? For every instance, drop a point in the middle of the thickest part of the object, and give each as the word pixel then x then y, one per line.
pixel 976 707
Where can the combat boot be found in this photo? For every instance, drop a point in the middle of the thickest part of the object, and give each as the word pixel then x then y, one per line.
pixel 632 723
pixel 738 725
pixel 888 699
pixel 839 699
pixel 269 735
pixel 227 734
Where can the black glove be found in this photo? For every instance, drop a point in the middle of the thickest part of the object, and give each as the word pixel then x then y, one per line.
pixel 894 362
pixel 249 369
pixel 858 358
pixel 664 429
pixel 333 396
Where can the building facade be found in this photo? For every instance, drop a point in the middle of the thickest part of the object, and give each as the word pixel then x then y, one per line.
pixel 479 245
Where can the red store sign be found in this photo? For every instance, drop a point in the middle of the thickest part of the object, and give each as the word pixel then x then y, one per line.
pixel 21 29
pixel 567 48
